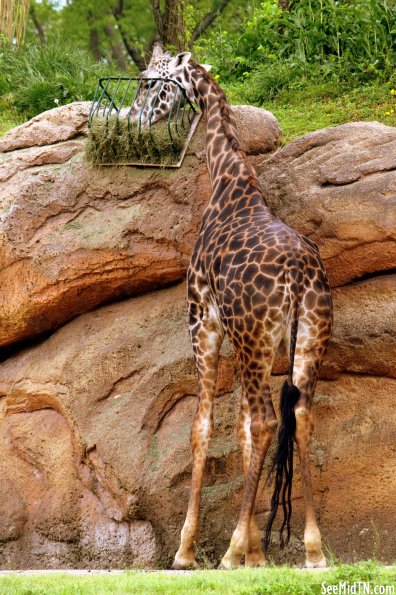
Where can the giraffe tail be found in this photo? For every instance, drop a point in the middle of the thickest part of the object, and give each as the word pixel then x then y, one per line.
pixel 282 465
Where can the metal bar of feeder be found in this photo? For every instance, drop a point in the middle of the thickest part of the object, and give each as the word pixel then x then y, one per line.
pixel 177 113
pixel 108 97
pixel 105 106
pixel 125 94
pixel 170 114
pixel 143 106
pixel 133 102
pixel 152 113
pixel 93 105
pixel 112 101
pixel 102 93
pixel 154 102
pixel 184 110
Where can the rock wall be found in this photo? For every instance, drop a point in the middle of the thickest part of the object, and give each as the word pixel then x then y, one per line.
pixel 95 416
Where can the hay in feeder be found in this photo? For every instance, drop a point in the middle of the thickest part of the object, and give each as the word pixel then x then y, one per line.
pixel 114 140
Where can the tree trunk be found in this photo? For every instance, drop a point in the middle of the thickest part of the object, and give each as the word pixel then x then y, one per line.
pixel 37 24
pixel 170 23
pixel 208 20
pixel 117 51
pixel 94 44
pixel 175 31
pixel 133 52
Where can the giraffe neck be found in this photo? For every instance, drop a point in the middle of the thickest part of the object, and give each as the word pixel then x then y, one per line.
pixel 223 152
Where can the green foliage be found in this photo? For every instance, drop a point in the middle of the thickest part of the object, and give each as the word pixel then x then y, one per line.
pixel 36 78
pixel 79 17
pixel 334 40
pixel 9 116
pixel 97 25
pixel 322 104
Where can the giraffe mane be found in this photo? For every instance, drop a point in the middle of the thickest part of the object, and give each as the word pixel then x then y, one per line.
pixel 225 111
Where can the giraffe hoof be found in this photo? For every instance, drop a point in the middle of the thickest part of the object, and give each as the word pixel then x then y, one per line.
pixel 320 563
pixel 225 566
pixel 179 564
pixel 228 563
pixel 255 560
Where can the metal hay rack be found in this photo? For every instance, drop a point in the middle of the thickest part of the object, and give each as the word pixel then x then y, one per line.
pixel 126 127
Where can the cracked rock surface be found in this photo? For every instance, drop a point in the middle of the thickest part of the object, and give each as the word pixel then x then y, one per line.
pixel 338 187
pixel 95 417
pixel 73 236
pixel 96 458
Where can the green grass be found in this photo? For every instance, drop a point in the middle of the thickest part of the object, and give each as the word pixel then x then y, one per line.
pixel 322 105
pixel 38 77
pixel 300 112
pixel 260 581
pixel 9 116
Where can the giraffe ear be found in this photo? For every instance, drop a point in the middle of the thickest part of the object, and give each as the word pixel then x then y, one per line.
pixel 207 67
pixel 181 60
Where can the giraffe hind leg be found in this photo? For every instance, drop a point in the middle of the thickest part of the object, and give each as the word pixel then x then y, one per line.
pixel 308 358
pixel 262 428
pixel 255 555
pixel 312 537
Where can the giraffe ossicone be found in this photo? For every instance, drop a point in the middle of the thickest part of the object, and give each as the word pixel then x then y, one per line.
pixel 260 282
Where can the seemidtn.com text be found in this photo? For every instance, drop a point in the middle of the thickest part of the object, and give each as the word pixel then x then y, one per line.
pixel 357 588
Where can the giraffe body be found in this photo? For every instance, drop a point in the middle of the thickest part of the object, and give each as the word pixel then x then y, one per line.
pixel 260 282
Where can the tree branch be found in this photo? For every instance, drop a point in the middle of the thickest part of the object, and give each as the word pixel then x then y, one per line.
pixel 117 50
pixel 37 24
pixel 207 20
pixel 155 5
pixel 134 53
pixel 94 42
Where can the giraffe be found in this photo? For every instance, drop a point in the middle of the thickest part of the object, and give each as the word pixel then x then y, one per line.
pixel 256 280
pixel 155 99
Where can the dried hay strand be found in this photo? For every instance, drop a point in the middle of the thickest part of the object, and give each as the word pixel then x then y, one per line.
pixel 114 140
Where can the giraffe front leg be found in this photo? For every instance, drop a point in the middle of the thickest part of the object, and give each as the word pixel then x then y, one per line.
pixel 200 436
pixel 207 338
pixel 255 555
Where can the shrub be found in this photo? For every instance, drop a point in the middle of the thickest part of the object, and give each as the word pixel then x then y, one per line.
pixel 40 77
pixel 342 40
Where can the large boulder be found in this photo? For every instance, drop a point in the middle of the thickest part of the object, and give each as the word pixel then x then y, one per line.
pixel 364 339
pixel 50 127
pixel 73 236
pixel 338 187
pixel 96 460
pixel 95 419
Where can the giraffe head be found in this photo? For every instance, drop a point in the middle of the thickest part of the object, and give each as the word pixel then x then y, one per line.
pixel 155 98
